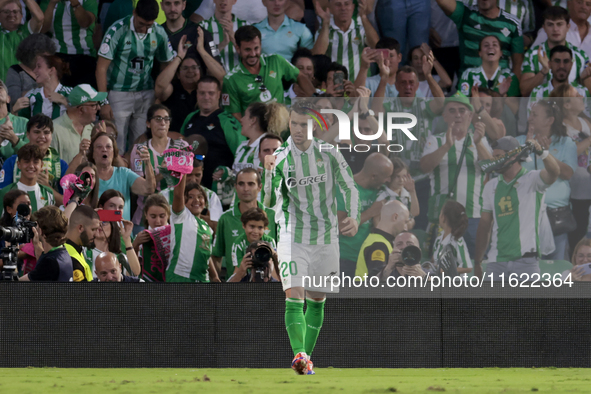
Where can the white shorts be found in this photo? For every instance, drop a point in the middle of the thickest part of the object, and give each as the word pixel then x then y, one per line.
pixel 308 266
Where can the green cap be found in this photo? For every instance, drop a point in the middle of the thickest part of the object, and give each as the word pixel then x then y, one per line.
pixel 459 98
pixel 84 93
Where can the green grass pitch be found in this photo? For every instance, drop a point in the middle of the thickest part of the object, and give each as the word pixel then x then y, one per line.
pixel 326 380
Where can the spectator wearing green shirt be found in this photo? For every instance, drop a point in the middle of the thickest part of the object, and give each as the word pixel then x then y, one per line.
pixel 258 78
pixel 12 32
pixel 71 23
pixel 124 67
pixel 248 186
pixel 12 127
pixel 489 19
pixel 281 35
pixel 254 222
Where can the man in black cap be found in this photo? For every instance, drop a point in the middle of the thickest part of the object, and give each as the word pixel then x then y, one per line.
pixel 511 209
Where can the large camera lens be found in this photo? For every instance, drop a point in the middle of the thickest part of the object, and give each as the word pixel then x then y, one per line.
pixel 411 255
pixel 262 253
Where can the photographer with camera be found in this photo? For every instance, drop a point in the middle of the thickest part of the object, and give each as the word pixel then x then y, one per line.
pixel 251 245
pixel 53 261
pixel 405 258
pixel 374 252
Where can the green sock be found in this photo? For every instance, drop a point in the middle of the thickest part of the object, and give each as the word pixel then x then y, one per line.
pixel 314 318
pixel 295 323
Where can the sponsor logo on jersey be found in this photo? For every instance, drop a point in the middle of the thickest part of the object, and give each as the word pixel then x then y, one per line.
pixel 234 233
pixel 305 181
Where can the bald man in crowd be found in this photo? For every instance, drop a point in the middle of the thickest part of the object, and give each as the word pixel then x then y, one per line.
pixel 376 171
pixel 377 247
pixel 108 269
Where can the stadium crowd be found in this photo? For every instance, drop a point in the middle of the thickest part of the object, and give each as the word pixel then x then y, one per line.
pixel 92 94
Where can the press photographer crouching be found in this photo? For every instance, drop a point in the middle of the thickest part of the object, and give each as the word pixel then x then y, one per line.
pixel 405 259
pixel 54 264
pixel 254 250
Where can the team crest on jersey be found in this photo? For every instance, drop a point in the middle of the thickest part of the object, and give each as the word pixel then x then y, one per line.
pixel 225 99
pixel 505 32
pixel 153 44
pixel 319 163
pixel 289 34
pixel 104 49
pixel 273 74
pixel 357 40
pixel 210 127
pixel 234 233
pixel 205 241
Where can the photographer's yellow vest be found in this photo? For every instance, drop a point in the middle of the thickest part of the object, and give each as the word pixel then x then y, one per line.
pixel 84 275
pixel 370 240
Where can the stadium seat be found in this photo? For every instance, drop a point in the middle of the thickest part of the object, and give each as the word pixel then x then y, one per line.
pixel 554 266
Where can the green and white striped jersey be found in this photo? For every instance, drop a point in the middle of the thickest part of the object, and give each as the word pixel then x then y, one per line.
pixel 522 9
pixel 468 191
pixel 229 55
pixel 39 104
pixel 389 195
pixel 190 248
pixel 302 191
pixel 475 76
pixel 532 65
pixel 345 47
pixel 515 207
pixel 247 156
pixel 213 202
pixel 132 55
pixel 69 37
pixel 461 250
pixel 544 91
pixel 40 196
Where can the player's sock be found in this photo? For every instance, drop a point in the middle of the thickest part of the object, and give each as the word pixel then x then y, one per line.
pixel 295 323
pixel 314 318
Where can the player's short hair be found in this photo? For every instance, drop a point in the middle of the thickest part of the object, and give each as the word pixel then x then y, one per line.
pixel 250 170
pixel 254 214
pixel 40 121
pixel 555 13
pixel 388 43
pixel 246 34
pixel 81 215
pixel 209 79
pixel 53 223
pixel 30 152
pixel 561 49
pixel 147 9
pixel 303 107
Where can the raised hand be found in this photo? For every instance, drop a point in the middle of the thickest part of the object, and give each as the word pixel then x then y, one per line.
pixel 479 130
pixel 181 50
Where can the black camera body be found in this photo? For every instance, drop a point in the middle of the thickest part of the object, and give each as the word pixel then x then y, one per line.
pixel 261 253
pixel 21 232
pixel 411 255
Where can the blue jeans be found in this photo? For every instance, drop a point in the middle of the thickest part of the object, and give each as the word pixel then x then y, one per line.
pixel 404 20
pixel 470 236
pixel 560 242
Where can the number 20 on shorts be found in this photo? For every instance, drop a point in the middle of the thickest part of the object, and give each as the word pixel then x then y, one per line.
pixel 293 268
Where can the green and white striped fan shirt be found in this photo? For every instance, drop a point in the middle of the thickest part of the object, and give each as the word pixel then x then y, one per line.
pixel 531 63
pixel 462 254
pixel 68 35
pixel 247 155
pixel 302 190
pixel 515 207
pixel 543 91
pixel 229 55
pixel 345 47
pixel 522 9
pixel 38 103
pixel 468 191
pixel 132 55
